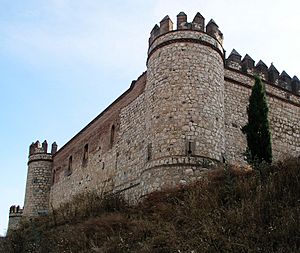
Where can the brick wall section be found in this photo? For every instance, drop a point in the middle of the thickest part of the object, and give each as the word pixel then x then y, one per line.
pixel 99 171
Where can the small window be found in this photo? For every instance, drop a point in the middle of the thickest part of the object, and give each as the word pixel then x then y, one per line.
pixel 55 177
pixel 149 152
pixel 112 135
pixel 190 148
pixel 85 154
pixel 69 170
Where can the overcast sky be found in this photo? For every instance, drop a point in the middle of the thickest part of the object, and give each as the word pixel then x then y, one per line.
pixel 62 62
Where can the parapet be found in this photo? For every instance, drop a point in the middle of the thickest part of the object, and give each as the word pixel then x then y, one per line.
pixel 285 81
pixel 295 85
pixel 271 74
pixel 15 210
pixel 39 152
pixel 37 148
pixel 198 24
pixel 234 60
pixel 212 29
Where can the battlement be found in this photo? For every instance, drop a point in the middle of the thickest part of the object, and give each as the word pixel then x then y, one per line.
pixel 15 210
pixel 15 216
pixel 268 74
pixel 198 24
pixel 37 148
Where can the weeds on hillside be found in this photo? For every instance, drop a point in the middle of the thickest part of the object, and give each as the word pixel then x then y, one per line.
pixel 233 209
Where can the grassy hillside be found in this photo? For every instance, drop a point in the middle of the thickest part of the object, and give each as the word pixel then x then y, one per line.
pixel 231 210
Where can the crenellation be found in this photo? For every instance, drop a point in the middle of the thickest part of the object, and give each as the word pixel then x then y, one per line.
pixel 154 33
pixel 295 85
pixel 53 148
pixel 45 146
pixel 212 29
pixel 177 121
pixel 198 22
pixel 181 21
pixel 269 75
pixel 31 148
pixel 284 81
pixel 248 64
pixel 15 210
pixel 273 74
pixel 261 70
pixel 234 60
pixel 37 144
pixel 166 25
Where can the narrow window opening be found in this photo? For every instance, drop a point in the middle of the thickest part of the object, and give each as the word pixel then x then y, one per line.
pixel 190 148
pixel 55 177
pixel 69 170
pixel 112 135
pixel 149 152
pixel 85 154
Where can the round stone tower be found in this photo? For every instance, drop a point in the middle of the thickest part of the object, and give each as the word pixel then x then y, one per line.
pixel 39 177
pixel 185 98
pixel 15 216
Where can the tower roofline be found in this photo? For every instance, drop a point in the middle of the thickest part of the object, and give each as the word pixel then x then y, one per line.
pixel 166 26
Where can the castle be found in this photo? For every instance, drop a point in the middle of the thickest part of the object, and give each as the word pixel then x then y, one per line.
pixel 179 118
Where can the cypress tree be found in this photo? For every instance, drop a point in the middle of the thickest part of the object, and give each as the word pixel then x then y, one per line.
pixel 257 130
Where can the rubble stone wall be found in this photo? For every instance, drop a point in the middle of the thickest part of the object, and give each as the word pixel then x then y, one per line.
pixel 99 172
pixel 38 184
pixel 178 120
pixel 284 116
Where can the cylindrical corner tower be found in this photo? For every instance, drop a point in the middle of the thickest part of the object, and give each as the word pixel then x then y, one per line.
pixel 38 180
pixel 15 216
pixel 185 97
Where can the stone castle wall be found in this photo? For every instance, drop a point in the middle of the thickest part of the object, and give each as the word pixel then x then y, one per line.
pixel 284 116
pixel 181 117
pixel 134 161
pixel 99 170
pixel 173 124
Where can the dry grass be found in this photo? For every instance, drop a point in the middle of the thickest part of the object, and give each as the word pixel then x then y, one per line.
pixel 234 209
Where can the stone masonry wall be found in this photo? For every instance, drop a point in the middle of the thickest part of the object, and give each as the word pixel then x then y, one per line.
pixel 184 92
pixel 174 123
pixel 38 184
pixel 170 115
pixel 14 222
pixel 185 112
pixel 97 172
pixel 284 117
pixel 132 148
